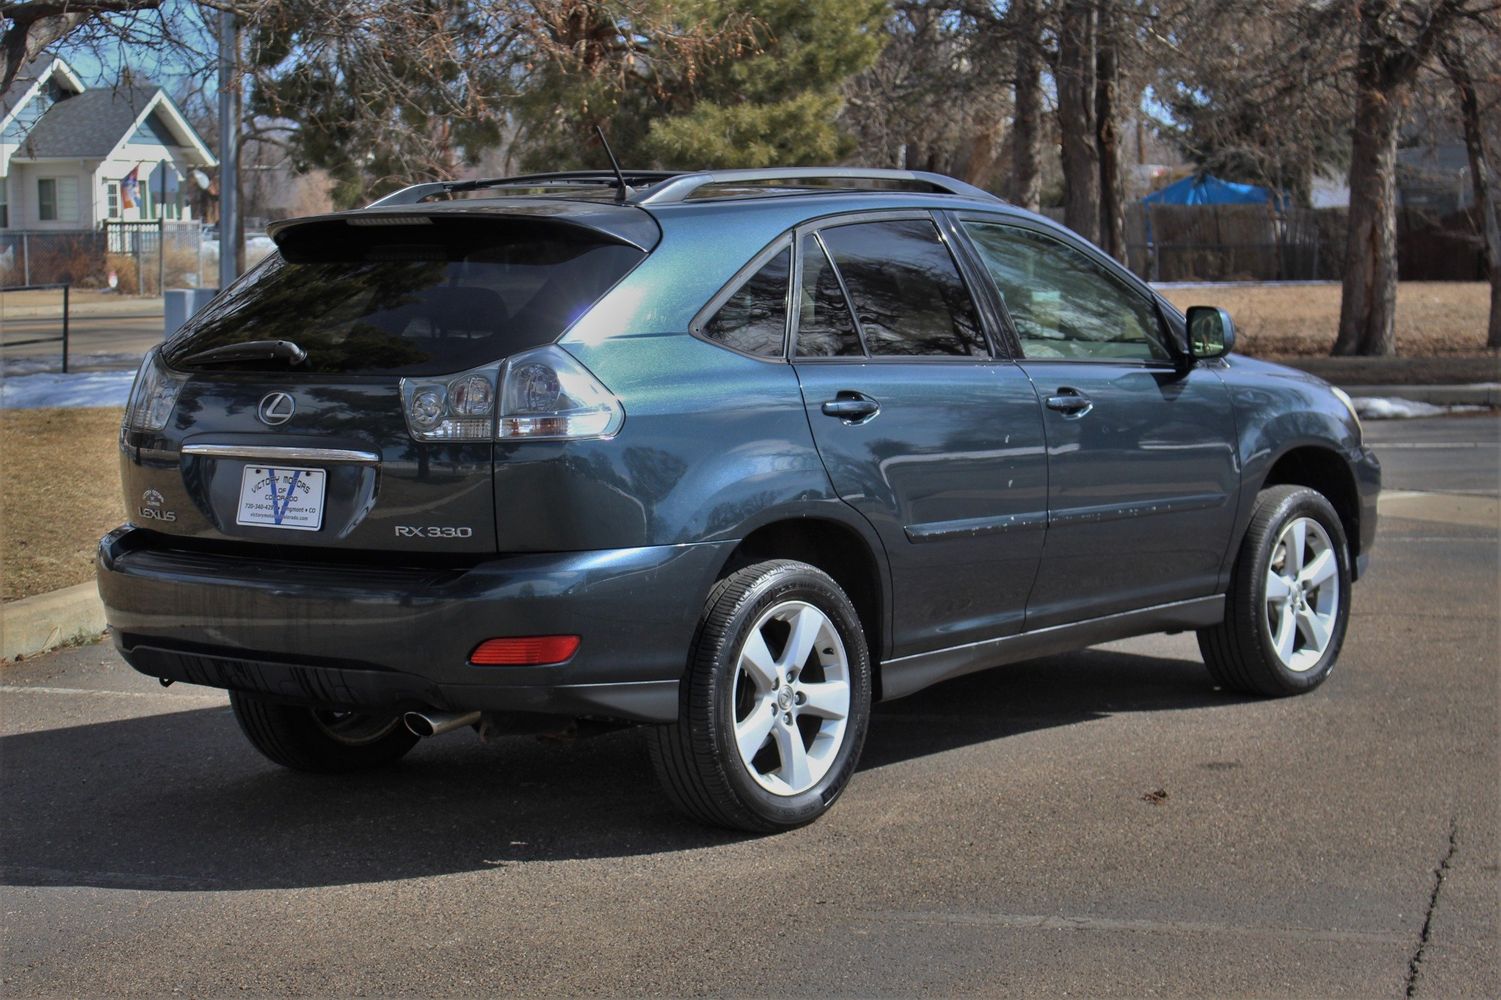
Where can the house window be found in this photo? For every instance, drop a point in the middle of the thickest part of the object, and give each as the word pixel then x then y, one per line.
pixel 4 202
pixel 57 199
pixel 112 199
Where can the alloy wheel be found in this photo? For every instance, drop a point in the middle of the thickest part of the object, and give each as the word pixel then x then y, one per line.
pixel 1302 594
pixel 791 698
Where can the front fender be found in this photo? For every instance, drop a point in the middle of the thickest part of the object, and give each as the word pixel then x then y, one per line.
pixel 1280 410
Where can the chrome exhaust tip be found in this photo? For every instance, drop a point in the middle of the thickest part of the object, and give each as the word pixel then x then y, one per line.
pixel 438 723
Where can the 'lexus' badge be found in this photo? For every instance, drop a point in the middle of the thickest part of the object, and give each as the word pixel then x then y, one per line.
pixel 276 408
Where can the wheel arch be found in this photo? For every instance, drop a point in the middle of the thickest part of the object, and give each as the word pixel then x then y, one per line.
pixel 839 549
pixel 1325 470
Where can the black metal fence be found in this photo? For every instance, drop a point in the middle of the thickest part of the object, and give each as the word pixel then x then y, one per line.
pixel 61 338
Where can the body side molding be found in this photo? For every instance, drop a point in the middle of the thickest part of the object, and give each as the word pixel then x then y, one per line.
pixel 910 674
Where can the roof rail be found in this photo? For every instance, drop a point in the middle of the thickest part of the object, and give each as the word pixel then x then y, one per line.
pixel 680 187
pixel 415 193
pixel 665 187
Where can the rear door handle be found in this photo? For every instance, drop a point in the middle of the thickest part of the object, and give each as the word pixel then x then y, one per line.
pixel 1070 402
pixel 851 407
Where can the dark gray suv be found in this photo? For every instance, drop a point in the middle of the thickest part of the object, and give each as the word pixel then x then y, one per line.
pixel 731 454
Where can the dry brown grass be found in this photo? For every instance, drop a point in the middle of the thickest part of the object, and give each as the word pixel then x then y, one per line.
pixel 59 491
pixel 1434 318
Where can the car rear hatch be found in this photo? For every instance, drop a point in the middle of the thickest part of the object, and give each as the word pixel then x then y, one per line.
pixel 283 413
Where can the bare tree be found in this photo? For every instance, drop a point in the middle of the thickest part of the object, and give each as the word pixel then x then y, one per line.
pixel 1095 40
pixel 1479 99
pixel 1255 89
pixel 1107 132
pixel 31 28
pixel 933 99
pixel 1074 71
pixel 1395 40
pixel 1025 17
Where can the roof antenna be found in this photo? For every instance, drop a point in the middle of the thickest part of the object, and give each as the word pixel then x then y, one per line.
pixel 623 190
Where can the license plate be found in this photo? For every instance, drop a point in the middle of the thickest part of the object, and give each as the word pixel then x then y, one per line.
pixel 282 498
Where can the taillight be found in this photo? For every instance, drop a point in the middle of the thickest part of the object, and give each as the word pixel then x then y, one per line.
pixel 543 395
pixel 547 395
pixel 152 395
pixel 452 408
pixel 524 651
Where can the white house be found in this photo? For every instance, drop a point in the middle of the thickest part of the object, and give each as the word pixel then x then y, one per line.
pixel 69 154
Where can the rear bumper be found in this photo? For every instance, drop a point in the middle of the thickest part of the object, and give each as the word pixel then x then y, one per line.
pixel 375 636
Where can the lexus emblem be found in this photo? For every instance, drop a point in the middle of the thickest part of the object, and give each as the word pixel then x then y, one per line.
pixel 276 408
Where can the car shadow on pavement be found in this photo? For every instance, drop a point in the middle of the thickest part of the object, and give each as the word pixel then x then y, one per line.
pixel 180 802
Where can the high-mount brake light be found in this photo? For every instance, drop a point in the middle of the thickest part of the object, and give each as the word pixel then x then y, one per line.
pixel 152 395
pixel 388 220
pixel 524 651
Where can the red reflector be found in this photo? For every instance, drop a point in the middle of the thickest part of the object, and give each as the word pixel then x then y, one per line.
pixel 528 651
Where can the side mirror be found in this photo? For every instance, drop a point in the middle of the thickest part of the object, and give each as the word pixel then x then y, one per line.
pixel 1211 334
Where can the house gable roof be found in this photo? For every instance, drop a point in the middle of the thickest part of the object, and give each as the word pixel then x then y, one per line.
pixel 29 82
pixel 96 123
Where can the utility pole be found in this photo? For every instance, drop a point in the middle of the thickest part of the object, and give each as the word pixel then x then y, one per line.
pixel 230 238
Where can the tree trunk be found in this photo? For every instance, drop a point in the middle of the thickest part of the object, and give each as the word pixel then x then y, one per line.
pixel 974 159
pixel 1026 170
pixel 1076 119
pixel 1108 138
pixel 1481 178
pixel 1369 294
pixel 1385 65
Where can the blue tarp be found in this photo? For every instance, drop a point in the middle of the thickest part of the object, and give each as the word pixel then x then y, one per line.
pixel 1204 189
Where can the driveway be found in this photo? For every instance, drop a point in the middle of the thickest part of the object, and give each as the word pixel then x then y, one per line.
pixel 1101 823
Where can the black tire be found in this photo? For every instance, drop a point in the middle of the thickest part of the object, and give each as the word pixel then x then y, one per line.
pixel 697 757
pixel 1240 652
pixel 307 739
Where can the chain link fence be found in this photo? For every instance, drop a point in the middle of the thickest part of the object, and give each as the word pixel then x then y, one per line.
pixel 136 258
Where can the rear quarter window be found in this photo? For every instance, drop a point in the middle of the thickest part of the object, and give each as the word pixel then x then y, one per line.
pixel 414 299
pixel 754 319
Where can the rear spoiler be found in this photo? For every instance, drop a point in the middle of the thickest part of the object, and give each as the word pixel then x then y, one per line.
pixel 629 225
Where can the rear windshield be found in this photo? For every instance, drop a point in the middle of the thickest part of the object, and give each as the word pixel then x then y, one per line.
pixel 421 299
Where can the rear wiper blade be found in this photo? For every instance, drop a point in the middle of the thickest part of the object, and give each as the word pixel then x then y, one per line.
pixel 250 350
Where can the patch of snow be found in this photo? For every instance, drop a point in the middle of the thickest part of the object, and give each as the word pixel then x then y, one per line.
pixel 1396 408
pixel 31 365
pixel 48 389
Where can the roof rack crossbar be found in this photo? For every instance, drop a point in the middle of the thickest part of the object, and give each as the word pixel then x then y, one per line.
pixel 415 193
pixel 679 187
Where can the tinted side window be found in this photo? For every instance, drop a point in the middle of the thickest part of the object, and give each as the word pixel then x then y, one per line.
pixel 825 328
pixel 754 320
pixel 906 289
pixel 1062 303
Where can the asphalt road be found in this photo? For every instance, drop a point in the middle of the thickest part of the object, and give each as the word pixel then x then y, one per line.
pixel 1102 823
pixel 107 341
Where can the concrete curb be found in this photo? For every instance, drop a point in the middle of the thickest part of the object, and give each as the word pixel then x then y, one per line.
pixel 1477 394
pixel 36 624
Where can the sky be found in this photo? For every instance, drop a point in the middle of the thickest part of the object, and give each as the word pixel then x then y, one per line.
pixel 102 58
